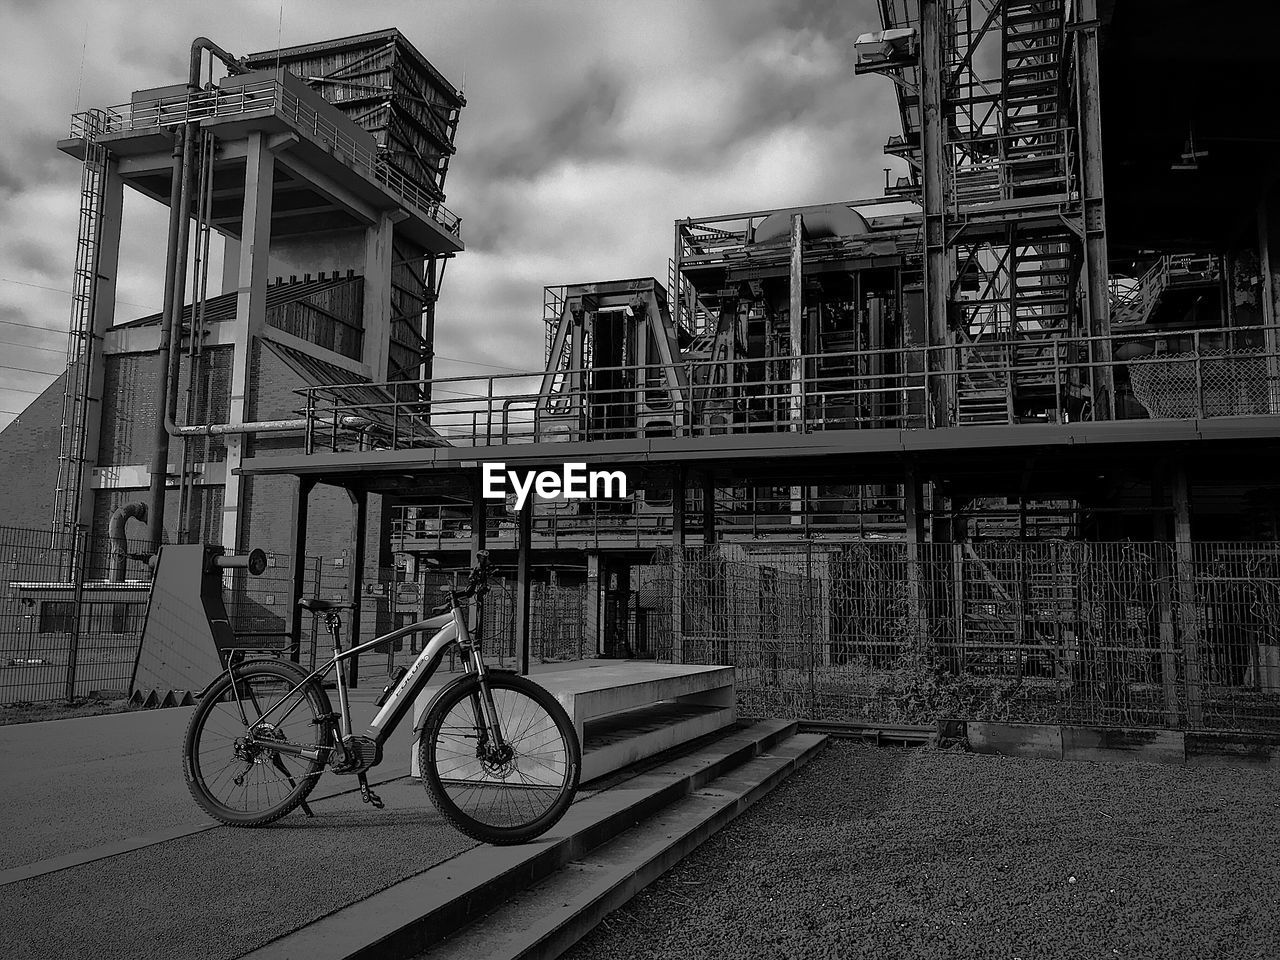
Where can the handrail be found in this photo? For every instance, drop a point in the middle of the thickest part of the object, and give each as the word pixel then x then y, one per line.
pixel 1233 371
pixel 261 95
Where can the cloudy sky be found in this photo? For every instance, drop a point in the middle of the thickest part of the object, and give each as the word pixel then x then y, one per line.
pixel 590 127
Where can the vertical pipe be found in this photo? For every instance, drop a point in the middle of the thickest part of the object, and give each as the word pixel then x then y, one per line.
pixel 173 284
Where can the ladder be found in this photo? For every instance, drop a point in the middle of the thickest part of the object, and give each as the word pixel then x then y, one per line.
pixel 73 458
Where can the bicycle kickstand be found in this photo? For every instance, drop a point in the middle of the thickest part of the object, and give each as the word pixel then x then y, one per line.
pixel 368 796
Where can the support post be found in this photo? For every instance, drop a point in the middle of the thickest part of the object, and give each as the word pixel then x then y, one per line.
pixel 299 560
pixel 479 533
pixel 795 325
pixel 593 636
pixel 708 510
pixel 677 565
pixel 1269 258
pixel 1164 590
pixel 912 504
pixel 1188 609
pixel 1098 295
pixel 934 163
pixel 795 336
pixel 378 258
pixel 523 586
pixel 355 576
pixel 251 317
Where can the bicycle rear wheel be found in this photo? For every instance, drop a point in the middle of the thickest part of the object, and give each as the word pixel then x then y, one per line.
pixel 244 785
pixel 507 794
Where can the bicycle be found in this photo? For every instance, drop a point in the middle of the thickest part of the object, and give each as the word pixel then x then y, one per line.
pixel 498 754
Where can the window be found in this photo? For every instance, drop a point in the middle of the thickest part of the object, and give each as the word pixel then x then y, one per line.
pixel 57 616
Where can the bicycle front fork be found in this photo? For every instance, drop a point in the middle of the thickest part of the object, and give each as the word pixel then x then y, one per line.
pixel 486 713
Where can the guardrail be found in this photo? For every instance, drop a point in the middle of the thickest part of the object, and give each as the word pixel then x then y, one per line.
pixel 1166 375
pixel 216 102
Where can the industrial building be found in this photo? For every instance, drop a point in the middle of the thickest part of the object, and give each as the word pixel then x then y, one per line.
pixel 997 440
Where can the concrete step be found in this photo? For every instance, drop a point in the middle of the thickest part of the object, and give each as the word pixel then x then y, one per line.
pixel 550 917
pixel 414 914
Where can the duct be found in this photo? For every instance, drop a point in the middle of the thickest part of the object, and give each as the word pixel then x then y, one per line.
pixel 136 510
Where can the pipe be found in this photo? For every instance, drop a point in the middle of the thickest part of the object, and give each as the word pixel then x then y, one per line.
pixel 233 64
pixel 175 284
pixel 137 510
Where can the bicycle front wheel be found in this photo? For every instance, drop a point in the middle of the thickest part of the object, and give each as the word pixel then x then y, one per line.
pixel 235 779
pixel 504 788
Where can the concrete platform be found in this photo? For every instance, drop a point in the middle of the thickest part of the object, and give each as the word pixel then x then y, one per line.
pixel 626 711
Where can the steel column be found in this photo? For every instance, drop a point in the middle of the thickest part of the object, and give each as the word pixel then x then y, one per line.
pixel 523 577
pixel 934 163
pixel 1098 295
pixel 251 315
pixel 479 533
pixel 355 576
pixel 677 565
pixel 299 560
pixel 1188 609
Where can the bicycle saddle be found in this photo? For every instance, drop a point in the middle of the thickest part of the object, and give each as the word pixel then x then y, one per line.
pixel 316 605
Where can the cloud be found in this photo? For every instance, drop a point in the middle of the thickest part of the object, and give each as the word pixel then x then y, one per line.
pixel 589 129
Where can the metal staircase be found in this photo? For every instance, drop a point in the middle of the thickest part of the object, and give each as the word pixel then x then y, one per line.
pixel 73 458
pixel 1034 141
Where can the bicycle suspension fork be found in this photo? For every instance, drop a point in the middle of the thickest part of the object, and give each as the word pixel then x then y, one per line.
pixel 486 713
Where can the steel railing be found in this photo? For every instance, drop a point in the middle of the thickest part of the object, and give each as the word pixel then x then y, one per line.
pixel 215 103
pixel 1203 373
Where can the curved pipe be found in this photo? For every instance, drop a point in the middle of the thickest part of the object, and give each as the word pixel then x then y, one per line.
pixel 233 64
pixel 137 510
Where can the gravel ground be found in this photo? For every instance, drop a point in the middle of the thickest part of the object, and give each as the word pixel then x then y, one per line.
pixel 882 853
pixel 59 710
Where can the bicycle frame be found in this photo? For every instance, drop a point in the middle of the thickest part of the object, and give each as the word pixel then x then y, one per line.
pixel 450 628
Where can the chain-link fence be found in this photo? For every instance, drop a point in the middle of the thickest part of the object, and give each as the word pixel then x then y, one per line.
pixel 1124 634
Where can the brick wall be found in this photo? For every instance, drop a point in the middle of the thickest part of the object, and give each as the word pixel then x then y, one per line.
pixel 29 461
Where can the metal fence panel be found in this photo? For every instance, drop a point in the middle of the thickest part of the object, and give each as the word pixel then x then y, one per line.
pixel 1113 634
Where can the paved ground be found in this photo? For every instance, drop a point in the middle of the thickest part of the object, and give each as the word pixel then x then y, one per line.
pixel 95 791
pixel 925 854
